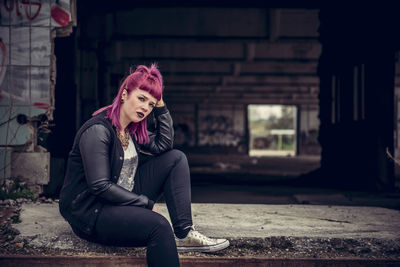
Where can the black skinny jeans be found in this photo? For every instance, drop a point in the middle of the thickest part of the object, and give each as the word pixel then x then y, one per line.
pixel 134 226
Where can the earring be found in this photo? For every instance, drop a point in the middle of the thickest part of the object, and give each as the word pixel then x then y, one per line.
pixel 122 100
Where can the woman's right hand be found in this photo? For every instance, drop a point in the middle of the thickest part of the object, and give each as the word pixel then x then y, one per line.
pixel 160 103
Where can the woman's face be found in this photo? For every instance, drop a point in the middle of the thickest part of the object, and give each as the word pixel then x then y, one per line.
pixel 137 106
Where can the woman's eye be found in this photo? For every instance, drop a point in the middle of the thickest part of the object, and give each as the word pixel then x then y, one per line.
pixel 151 105
pixel 141 98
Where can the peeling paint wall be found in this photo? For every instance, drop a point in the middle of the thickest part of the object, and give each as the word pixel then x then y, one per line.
pixel 221 125
pixel 27 72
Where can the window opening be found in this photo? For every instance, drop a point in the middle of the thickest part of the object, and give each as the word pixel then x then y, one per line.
pixel 272 130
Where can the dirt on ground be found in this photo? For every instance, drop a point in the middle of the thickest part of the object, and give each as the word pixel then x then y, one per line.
pixel 271 247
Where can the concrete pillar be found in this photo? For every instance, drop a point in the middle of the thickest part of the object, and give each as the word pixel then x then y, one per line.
pixel 356 70
pixel 33 168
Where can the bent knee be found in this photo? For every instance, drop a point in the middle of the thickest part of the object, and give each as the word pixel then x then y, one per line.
pixel 162 227
pixel 164 223
pixel 177 155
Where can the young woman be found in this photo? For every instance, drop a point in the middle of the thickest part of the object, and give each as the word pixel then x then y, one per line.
pixel 117 170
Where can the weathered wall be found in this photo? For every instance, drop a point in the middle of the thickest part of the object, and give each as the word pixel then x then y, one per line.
pixel 27 72
pixel 215 62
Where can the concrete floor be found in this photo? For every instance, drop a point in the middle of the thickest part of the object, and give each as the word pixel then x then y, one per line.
pixel 240 193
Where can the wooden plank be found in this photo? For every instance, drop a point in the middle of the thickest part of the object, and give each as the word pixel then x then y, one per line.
pixel 207 67
pixel 193 22
pixel 196 67
pixel 298 23
pixel 192 79
pixel 278 67
pixel 249 101
pixel 221 49
pixel 309 50
pixel 271 79
pixel 246 100
pixel 238 88
pixel 241 95
pixel 242 80
pixel 189 88
pixel 170 48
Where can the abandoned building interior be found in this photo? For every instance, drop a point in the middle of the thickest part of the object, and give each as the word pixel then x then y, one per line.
pixel 259 94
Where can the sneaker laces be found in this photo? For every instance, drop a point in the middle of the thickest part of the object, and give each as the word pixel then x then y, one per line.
pixel 199 235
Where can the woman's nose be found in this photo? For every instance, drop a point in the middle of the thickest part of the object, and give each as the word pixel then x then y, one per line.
pixel 145 107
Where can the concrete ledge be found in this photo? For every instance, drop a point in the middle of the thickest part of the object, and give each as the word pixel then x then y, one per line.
pixel 43 221
pixel 287 231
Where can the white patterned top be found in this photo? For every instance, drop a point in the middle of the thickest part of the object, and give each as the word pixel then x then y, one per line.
pixel 127 176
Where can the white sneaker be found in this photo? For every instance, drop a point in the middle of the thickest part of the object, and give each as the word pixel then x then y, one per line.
pixel 195 241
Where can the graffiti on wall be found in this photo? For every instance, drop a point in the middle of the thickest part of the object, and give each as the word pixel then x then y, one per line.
pixel 26 48
pixel 218 130
pixel 31 9
pixel 17 12
pixel 25 57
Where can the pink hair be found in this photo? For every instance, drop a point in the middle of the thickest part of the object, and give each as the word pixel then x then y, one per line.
pixel 144 78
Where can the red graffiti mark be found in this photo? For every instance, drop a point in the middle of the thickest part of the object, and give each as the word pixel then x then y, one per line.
pixel 28 7
pixel 60 16
pixel 41 105
pixel 3 64
pixel 3 59
pixel 31 4
pixel 11 6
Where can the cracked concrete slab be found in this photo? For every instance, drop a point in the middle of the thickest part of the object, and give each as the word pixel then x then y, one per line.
pixel 42 226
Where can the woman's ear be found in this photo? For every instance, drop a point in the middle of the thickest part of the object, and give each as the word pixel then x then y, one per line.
pixel 124 93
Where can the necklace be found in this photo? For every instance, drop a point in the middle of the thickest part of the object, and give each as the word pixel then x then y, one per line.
pixel 124 138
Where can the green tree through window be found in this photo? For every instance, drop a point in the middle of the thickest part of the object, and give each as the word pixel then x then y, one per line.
pixel 272 130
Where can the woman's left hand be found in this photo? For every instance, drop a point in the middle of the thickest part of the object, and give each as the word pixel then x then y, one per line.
pixel 155 209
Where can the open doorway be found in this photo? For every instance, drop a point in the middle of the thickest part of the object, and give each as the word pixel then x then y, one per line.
pixel 272 130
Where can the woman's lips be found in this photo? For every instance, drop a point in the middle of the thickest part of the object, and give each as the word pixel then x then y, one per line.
pixel 140 115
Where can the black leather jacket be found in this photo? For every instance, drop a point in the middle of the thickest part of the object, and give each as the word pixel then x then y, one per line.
pixel 94 166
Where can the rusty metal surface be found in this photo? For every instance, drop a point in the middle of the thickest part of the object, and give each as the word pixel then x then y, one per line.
pixel 99 261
